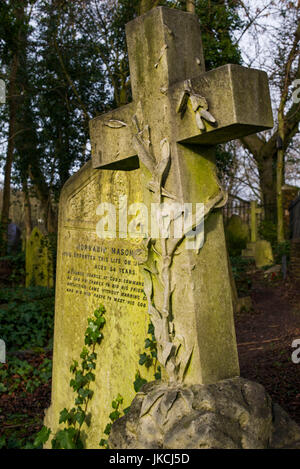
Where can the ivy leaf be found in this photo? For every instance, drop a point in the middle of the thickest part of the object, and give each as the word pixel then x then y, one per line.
pixel 80 417
pixel 64 416
pixel 74 366
pixel 79 400
pixel 157 375
pixel 108 429
pixel 143 359
pixel 84 353
pixel 65 439
pixel 151 329
pixel 42 437
pixel 119 399
pixel 104 443
pixel 139 382
pixel 114 415
pixel 148 343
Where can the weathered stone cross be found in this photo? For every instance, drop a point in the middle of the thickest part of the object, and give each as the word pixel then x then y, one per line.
pixel 175 101
pixel 165 50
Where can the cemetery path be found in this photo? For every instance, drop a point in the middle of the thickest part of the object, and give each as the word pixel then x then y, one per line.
pixel 265 335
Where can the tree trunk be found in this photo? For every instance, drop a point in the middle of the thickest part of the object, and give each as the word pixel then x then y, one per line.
pixel 279 178
pixel 51 218
pixel 27 211
pixel 267 176
pixel 270 154
pixel 43 193
pixel 279 199
pixel 265 155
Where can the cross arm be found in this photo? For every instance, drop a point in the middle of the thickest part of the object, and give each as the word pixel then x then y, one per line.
pixel 236 103
pixel 111 137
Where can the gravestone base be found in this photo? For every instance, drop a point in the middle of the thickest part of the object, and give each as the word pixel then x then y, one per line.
pixel 231 414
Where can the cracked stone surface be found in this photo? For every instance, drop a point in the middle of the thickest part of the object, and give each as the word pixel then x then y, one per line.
pixel 231 414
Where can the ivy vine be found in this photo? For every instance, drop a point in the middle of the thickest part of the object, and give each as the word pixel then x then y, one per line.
pixel 113 416
pixel 70 437
pixel 146 359
pixel 150 359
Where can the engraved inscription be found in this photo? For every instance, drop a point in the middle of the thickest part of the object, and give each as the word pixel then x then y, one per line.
pixel 82 206
pixel 105 273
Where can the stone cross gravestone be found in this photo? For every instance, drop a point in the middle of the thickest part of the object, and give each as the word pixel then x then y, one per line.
pixel 254 211
pixel 157 149
pixel 39 260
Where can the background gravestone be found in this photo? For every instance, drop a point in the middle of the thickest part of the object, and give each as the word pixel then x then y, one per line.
pixel 93 271
pixel 39 260
pixel 258 249
pixel 237 235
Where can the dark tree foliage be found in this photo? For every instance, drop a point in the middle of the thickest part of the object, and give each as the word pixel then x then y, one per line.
pixel 10 26
pixel 70 88
pixel 219 21
pixel 73 65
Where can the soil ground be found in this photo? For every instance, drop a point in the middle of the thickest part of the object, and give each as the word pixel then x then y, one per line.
pixel 22 413
pixel 265 335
